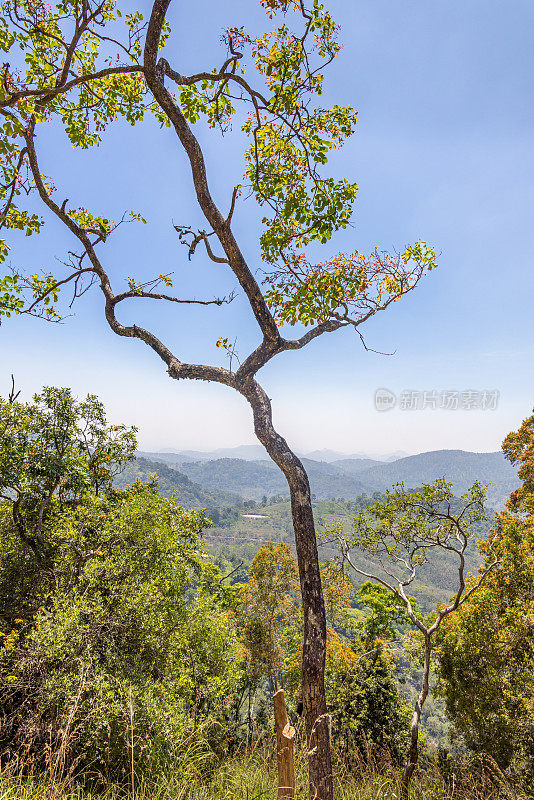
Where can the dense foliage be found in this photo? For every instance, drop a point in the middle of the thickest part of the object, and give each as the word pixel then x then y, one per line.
pixel 122 642
pixel 487 652
pixel 136 640
pixel 116 633
pixel 57 447
pixel 368 715
pixel 53 450
pixel 401 532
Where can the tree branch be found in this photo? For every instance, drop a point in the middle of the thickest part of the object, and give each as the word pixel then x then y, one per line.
pixel 154 75
pixel 49 94
pixel 118 298
pixel 184 80
pixel 175 367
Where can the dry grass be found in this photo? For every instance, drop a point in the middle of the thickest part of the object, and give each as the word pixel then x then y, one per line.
pixel 252 777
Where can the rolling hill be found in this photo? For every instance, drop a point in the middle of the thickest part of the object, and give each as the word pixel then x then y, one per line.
pixel 255 479
pixel 220 485
pixel 170 481
pixel 243 535
pixel 459 467
pixel 349 478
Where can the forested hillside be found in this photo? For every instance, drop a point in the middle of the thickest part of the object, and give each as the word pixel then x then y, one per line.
pixel 249 529
pixel 238 530
pixel 350 478
pixel 254 479
pixel 172 482
pixel 121 601
pixel 459 467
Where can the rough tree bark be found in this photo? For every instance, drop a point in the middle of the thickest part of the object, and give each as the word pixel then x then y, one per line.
pixel 314 639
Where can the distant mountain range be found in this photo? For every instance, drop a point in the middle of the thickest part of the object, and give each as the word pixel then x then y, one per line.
pixel 459 467
pixel 256 452
pixel 348 478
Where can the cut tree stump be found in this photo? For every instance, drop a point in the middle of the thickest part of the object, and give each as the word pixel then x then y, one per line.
pixel 285 748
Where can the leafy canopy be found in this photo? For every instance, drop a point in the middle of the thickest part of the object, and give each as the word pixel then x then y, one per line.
pixel 403 528
pixel 59 444
pixel 80 65
pixel 518 447
pixel 362 693
pixel 62 66
pixel 270 614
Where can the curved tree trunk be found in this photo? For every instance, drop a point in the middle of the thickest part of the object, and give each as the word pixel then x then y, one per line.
pixel 316 720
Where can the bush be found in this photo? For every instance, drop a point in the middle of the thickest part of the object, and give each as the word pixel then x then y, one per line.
pixel 134 650
pixel 369 719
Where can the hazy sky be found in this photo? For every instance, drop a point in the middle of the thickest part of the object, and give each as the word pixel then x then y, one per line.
pixel 444 152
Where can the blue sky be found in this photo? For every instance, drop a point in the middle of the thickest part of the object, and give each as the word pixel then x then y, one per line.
pixel 444 152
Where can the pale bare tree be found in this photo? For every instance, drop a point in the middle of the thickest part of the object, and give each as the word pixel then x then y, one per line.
pixel 401 533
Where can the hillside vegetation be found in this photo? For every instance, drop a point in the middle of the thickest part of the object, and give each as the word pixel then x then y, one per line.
pixel 253 527
pixel 350 478
pixel 172 482
pixel 459 467
pixel 140 645
pixel 239 529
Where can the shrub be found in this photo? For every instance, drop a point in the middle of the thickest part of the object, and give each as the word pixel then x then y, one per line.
pixel 133 650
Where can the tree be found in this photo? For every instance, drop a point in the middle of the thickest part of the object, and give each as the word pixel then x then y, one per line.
pixel 69 72
pixel 486 652
pixel 363 695
pixel 338 591
pixel 518 447
pixel 56 447
pixel 368 713
pixel 361 690
pixel 270 610
pixel 386 612
pixel 400 532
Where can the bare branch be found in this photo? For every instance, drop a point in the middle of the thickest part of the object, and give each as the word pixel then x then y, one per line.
pixel 175 368
pixel 155 296
pixel 12 397
pixel 397 589
pixel 461 598
pixel 235 195
pixel 154 76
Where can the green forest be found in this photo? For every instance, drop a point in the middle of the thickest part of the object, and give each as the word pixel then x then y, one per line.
pixel 142 643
